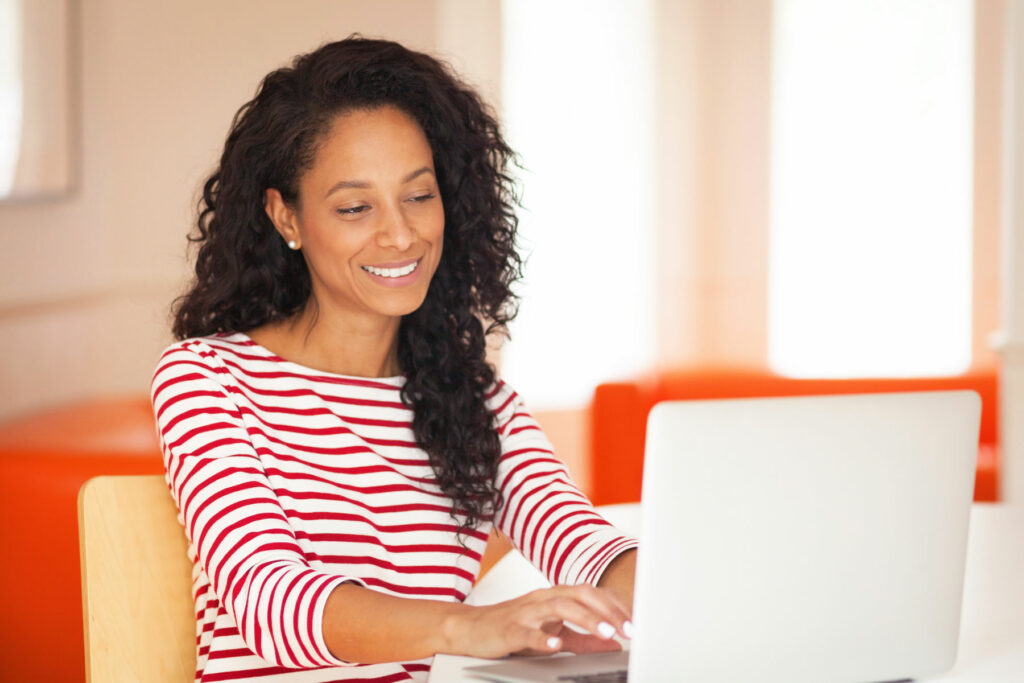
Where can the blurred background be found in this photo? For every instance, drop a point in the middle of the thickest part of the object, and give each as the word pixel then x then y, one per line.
pixel 795 187
pixel 721 198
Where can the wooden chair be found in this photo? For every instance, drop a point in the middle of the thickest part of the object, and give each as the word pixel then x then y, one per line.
pixel 136 582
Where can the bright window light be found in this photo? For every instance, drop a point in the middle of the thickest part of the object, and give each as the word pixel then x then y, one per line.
pixel 10 92
pixel 578 107
pixel 870 265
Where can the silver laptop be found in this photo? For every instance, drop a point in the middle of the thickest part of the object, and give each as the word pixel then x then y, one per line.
pixel 807 539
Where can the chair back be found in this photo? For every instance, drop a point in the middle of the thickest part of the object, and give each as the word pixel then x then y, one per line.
pixel 136 582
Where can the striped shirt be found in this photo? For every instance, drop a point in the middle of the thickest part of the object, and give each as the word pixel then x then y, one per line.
pixel 290 481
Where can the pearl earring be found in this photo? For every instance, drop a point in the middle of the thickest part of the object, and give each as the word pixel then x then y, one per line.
pixel 292 244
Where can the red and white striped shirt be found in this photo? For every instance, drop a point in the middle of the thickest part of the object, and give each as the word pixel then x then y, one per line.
pixel 290 481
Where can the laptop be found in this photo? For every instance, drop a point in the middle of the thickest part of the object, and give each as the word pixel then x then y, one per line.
pixel 808 539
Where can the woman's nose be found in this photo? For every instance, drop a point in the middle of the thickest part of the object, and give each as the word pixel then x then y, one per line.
pixel 395 232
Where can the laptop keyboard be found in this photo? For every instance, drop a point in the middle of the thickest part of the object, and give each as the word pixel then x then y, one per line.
pixel 602 677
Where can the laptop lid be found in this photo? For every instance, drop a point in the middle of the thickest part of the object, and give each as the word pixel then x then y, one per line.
pixel 804 539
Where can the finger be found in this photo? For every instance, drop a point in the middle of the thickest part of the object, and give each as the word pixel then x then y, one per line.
pixel 536 640
pixel 623 613
pixel 565 608
pixel 602 596
pixel 544 643
pixel 612 617
pixel 584 643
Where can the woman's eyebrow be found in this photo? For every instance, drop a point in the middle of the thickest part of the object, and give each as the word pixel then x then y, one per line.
pixel 417 173
pixel 363 185
pixel 358 184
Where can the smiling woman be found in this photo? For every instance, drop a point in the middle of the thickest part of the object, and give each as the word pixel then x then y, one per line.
pixel 372 242
pixel 337 444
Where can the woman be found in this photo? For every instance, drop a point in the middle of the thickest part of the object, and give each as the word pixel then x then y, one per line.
pixel 334 438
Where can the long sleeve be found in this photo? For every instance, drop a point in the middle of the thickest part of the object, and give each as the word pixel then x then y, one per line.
pixel 232 516
pixel 545 514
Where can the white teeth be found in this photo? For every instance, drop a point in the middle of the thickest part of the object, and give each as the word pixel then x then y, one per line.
pixel 392 272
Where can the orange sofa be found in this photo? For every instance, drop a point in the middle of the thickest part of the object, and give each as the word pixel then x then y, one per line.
pixel 618 417
pixel 44 460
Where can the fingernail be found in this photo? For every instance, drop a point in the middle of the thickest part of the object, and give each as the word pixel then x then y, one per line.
pixel 554 643
pixel 605 630
pixel 627 628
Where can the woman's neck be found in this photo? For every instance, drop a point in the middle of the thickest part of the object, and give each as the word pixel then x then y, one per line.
pixel 358 347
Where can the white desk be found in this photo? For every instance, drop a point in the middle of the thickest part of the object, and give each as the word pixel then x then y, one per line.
pixel 992 627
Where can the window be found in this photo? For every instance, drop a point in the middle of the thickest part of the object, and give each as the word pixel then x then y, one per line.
pixel 10 92
pixel 578 107
pixel 870 264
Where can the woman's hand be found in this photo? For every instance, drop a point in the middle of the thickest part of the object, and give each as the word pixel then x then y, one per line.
pixel 535 623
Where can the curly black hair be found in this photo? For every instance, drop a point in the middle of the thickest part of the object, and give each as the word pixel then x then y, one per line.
pixel 247 277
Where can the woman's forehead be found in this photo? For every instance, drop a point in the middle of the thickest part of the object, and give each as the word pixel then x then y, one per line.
pixel 370 147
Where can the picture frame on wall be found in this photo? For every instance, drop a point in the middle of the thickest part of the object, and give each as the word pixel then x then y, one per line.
pixel 37 100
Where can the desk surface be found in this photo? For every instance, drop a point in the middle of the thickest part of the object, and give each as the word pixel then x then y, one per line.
pixel 992 625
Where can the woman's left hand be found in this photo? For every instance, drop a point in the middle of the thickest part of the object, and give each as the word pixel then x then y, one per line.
pixel 573 641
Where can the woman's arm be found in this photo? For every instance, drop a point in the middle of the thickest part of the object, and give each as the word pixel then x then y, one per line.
pixel 620 576
pixel 547 517
pixel 555 526
pixel 367 626
pixel 551 522
pixel 233 517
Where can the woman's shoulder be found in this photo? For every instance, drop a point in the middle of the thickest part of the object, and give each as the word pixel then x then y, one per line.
pixel 205 350
pixel 217 357
pixel 504 403
pixel 189 367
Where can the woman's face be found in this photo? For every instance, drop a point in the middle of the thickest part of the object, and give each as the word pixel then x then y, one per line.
pixel 369 219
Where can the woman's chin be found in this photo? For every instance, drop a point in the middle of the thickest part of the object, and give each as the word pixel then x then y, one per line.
pixel 394 308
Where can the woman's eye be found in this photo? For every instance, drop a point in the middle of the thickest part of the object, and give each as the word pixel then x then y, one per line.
pixel 352 210
pixel 422 197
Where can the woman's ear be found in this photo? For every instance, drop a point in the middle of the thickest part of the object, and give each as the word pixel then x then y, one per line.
pixel 283 217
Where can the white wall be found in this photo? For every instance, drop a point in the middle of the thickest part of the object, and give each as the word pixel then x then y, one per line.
pixel 1012 336
pixel 713 101
pixel 86 282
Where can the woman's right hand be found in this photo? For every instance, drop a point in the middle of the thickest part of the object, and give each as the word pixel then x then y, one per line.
pixel 535 623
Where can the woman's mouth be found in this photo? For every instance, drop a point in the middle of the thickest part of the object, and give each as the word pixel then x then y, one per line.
pixel 392 272
pixel 398 274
